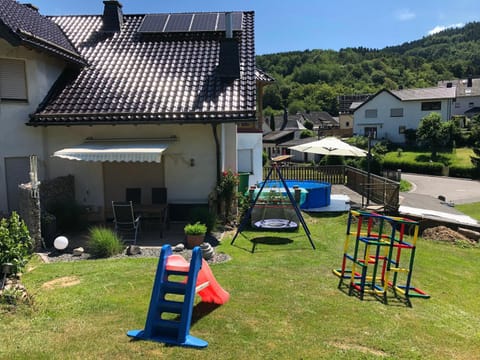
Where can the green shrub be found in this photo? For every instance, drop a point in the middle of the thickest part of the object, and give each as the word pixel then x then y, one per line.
pixel 195 229
pixel 104 242
pixel 69 214
pixel 461 171
pixel 16 245
pixel 430 168
pixel 204 216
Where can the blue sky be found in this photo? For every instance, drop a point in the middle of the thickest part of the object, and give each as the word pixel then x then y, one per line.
pixel 288 25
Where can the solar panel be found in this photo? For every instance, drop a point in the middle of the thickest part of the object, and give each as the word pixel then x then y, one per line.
pixel 198 22
pixel 204 22
pixel 179 23
pixel 153 23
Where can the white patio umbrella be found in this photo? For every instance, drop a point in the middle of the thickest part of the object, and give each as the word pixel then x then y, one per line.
pixel 330 146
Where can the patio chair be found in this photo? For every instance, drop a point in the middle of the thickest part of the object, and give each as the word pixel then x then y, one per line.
pixel 127 226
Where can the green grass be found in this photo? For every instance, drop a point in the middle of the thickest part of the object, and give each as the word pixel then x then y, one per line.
pixel 460 157
pixel 472 209
pixel 284 304
pixel 405 185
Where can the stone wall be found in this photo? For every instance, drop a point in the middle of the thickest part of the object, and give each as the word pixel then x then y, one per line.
pixel 29 211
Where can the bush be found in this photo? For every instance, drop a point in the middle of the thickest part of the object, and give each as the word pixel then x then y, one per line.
pixel 462 172
pixel 195 229
pixel 430 168
pixel 204 216
pixel 104 242
pixel 69 214
pixel 16 245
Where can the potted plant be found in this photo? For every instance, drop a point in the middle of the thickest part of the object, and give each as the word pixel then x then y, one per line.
pixel 195 234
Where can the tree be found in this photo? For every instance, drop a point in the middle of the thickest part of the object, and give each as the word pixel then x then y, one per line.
pixel 432 132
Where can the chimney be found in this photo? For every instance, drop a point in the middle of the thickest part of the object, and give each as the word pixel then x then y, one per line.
pixel 449 84
pixel 112 16
pixel 469 81
pixel 229 62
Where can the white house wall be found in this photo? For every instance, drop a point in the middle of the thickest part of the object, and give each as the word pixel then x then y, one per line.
pixel 388 127
pixel 18 140
pixel 253 142
pixel 185 183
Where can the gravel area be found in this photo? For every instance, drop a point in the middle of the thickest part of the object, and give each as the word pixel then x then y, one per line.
pixel 53 255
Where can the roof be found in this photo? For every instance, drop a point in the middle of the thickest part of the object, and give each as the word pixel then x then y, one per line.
pixel 433 93
pixel 136 77
pixel 473 111
pixel 21 24
pixel 320 118
pixel 465 87
pixel 262 76
pixel 277 135
pixel 423 94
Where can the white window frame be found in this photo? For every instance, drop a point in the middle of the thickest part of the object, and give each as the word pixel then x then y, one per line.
pixel 245 160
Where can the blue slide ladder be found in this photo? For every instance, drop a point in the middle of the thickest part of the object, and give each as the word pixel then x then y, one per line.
pixel 174 332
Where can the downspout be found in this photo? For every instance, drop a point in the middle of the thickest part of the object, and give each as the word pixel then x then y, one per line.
pixel 218 154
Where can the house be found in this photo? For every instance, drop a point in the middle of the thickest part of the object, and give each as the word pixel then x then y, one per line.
pixel 140 102
pixel 346 107
pixel 387 114
pixel 467 102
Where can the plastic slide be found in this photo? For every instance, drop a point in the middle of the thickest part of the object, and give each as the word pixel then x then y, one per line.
pixel 208 287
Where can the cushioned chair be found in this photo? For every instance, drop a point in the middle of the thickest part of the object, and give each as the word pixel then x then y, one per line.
pixel 127 226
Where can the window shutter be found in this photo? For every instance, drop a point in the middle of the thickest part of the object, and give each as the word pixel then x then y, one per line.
pixel 12 80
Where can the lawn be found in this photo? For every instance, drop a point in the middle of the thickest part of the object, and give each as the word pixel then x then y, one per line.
pixel 284 304
pixel 460 157
pixel 471 209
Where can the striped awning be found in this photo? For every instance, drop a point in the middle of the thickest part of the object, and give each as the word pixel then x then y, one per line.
pixel 111 151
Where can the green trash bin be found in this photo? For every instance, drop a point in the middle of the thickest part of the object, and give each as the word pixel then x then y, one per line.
pixel 243 182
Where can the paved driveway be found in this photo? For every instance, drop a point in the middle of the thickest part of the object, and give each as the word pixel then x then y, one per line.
pixel 458 191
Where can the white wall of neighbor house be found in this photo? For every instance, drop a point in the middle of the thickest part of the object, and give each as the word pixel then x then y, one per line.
pixel 187 169
pixel 250 150
pixel 383 114
pixel 465 103
pixel 17 139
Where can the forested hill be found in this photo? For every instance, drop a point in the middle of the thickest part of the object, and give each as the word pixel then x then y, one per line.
pixel 312 79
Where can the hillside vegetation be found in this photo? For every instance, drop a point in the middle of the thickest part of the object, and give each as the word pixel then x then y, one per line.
pixel 312 79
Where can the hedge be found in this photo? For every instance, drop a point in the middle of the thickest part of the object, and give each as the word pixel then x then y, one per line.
pixel 430 168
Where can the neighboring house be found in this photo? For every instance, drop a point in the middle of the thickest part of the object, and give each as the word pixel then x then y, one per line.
pixel 163 92
pixel 298 156
pixel 387 114
pixel 467 102
pixel 320 120
pixel 346 107
pixel 273 142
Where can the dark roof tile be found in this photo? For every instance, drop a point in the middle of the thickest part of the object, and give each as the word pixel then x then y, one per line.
pixel 22 24
pixel 139 78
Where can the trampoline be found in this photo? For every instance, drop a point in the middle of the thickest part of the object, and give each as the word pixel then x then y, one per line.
pixel 276 224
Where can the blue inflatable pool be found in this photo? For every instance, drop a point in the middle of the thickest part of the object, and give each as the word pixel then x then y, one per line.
pixel 318 192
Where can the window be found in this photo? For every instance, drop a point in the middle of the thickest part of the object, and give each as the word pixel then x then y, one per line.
pixel 245 160
pixel 371 131
pixel 431 105
pixel 398 112
pixel 401 129
pixel 13 84
pixel 371 113
pixel 347 124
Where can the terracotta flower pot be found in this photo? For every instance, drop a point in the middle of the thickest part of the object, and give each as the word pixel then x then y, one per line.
pixel 194 240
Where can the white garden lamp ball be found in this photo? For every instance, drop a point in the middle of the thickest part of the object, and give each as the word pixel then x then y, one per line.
pixel 60 243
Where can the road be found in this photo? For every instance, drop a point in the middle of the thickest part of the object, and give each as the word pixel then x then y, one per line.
pixel 458 191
